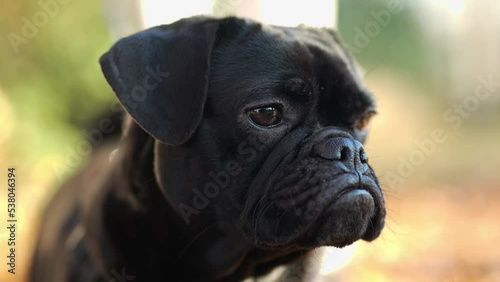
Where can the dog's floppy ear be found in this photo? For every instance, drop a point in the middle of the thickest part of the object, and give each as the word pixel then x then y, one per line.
pixel 160 76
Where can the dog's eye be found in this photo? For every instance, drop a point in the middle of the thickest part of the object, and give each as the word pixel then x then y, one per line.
pixel 363 123
pixel 265 116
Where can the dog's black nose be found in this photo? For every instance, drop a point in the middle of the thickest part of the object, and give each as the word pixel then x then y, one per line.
pixel 347 151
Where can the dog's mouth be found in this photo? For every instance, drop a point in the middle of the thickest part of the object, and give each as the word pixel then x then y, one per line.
pixel 336 213
pixel 355 213
pixel 307 201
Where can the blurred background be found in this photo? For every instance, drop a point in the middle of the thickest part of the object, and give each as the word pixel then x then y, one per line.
pixel 434 67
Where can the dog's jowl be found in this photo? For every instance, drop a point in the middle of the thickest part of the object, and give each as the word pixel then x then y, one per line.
pixel 242 151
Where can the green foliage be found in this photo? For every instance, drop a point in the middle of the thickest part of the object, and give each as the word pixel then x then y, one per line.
pixel 53 82
pixel 397 45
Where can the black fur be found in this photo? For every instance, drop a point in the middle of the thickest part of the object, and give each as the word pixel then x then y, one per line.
pixel 197 192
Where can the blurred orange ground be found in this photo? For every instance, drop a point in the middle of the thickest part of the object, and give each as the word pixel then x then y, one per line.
pixel 442 233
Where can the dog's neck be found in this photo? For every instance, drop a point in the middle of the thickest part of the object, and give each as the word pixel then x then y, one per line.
pixel 135 210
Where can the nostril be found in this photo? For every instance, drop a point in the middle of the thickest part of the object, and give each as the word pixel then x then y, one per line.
pixel 363 156
pixel 344 154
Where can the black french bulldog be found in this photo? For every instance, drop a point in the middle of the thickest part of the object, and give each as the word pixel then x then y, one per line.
pixel 243 153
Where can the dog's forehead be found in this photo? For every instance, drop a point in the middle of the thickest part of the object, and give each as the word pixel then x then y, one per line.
pixel 260 59
pixel 270 51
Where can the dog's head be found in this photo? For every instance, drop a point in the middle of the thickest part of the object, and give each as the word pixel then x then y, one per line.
pixel 258 129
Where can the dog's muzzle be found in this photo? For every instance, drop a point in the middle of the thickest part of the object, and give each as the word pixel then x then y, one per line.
pixel 320 192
